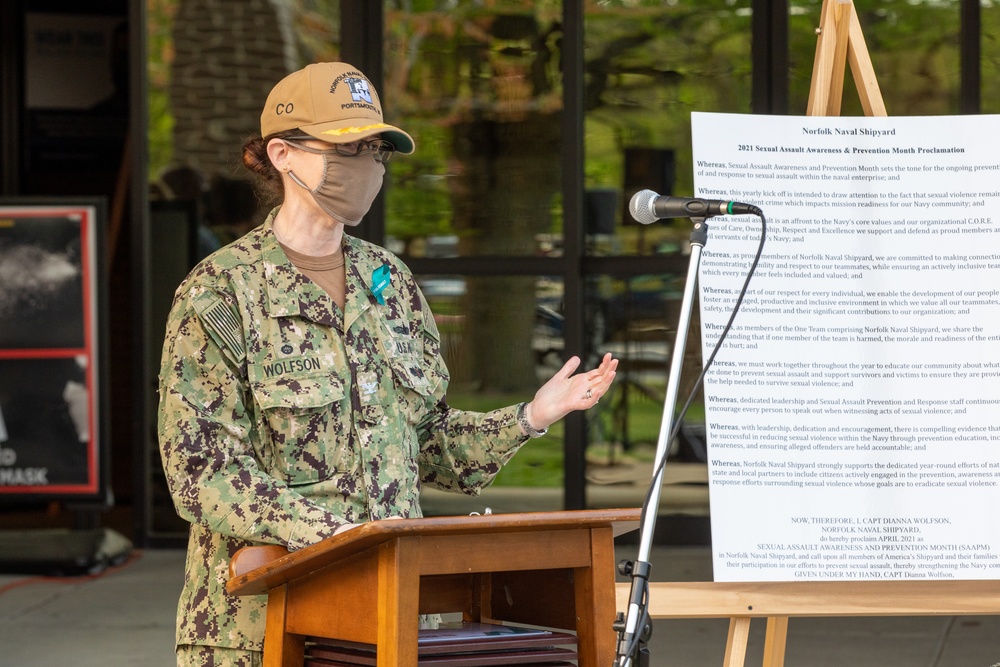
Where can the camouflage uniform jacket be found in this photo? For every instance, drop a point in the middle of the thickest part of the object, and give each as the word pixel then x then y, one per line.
pixel 281 417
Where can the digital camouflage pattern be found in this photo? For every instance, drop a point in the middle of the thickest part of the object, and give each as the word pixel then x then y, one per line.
pixel 282 418
pixel 217 656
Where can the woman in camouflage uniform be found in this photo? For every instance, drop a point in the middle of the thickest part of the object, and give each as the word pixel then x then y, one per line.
pixel 302 389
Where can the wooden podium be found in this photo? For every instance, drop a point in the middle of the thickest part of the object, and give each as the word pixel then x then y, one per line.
pixel 369 584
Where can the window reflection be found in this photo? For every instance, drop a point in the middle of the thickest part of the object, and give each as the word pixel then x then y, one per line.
pixel 648 66
pixel 205 98
pixel 990 61
pixel 480 88
pixel 501 367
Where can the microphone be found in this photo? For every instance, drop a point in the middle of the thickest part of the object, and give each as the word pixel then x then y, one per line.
pixel 648 207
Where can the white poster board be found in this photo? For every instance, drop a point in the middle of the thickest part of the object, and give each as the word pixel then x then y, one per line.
pixel 853 414
pixel 52 427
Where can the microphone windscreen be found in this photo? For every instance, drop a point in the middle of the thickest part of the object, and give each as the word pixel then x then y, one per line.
pixel 641 206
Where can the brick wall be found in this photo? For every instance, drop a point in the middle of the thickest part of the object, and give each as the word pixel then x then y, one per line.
pixel 229 54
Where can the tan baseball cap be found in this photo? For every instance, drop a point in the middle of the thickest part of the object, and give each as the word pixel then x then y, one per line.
pixel 333 102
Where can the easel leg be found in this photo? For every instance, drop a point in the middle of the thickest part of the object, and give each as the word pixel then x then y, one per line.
pixel 736 644
pixel 774 641
pixel 863 70
pixel 840 39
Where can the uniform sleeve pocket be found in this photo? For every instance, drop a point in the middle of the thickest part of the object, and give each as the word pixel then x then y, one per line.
pixel 410 374
pixel 207 389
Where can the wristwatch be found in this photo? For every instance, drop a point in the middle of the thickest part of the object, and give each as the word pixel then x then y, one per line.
pixel 522 419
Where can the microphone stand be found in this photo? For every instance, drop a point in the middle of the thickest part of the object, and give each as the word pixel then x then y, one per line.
pixel 635 628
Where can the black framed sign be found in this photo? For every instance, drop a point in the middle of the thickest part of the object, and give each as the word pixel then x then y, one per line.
pixel 51 378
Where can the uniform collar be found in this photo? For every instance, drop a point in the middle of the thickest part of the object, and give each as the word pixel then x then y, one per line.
pixel 359 267
pixel 289 293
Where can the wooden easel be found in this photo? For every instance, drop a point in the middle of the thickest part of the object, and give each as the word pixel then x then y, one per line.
pixel 777 601
pixel 840 39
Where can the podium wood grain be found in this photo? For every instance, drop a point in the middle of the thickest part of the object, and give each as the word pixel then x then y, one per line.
pixel 368 584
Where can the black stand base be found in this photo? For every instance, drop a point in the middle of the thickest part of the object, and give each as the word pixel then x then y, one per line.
pixel 642 656
pixel 61 552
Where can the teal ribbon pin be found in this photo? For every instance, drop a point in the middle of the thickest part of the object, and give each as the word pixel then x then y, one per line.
pixel 380 280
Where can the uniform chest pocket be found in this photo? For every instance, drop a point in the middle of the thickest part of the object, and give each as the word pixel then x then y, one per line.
pixel 301 417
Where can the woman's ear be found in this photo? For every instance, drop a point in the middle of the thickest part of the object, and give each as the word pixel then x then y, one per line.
pixel 277 152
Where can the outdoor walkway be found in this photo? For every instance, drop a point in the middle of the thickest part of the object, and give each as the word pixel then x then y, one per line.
pixel 125 616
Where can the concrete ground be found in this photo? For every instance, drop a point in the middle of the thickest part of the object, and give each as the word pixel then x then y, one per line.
pixel 124 617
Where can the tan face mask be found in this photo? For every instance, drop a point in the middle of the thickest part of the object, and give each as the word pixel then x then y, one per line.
pixel 349 184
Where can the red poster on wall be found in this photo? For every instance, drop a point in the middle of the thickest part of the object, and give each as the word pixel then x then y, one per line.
pixel 50 335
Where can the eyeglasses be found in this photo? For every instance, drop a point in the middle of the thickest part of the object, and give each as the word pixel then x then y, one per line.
pixel 380 149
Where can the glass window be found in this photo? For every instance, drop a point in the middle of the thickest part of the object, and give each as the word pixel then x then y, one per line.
pixel 990 60
pixel 210 68
pixel 492 366
pixel 636 319
pixel 648 65
pixel 478 85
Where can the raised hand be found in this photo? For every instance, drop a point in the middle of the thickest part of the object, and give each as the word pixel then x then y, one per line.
pixel 566 392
